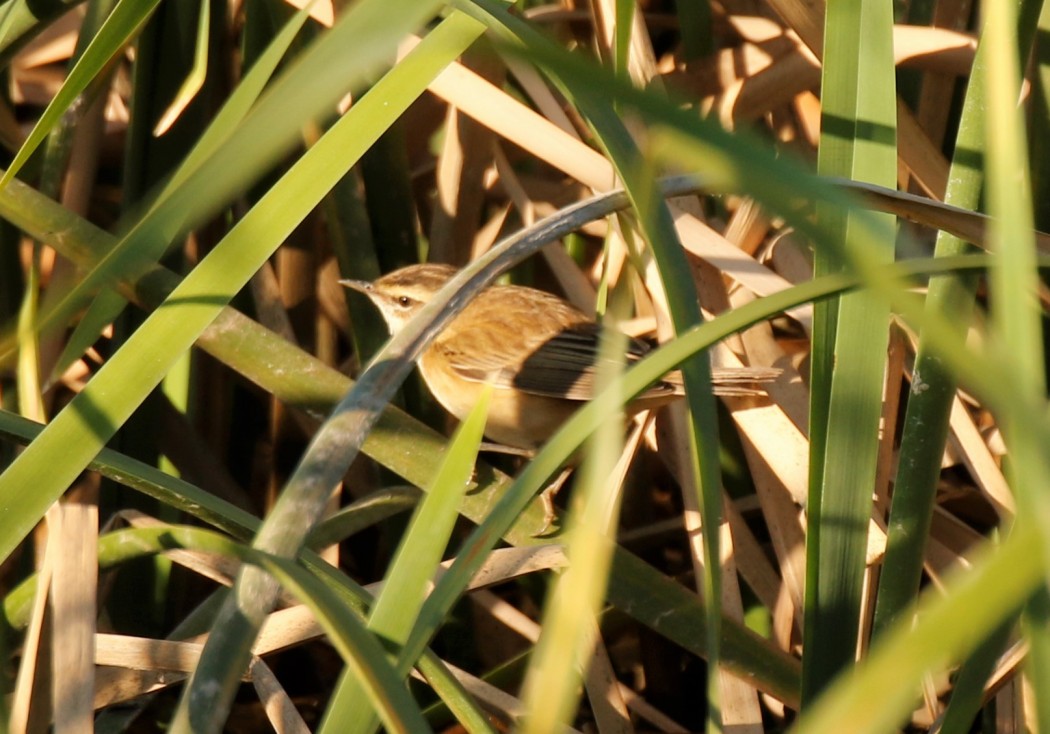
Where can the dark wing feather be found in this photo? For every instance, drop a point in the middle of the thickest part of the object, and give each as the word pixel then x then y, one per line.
pixel 567 364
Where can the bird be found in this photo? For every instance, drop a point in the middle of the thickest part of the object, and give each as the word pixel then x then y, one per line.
pixel 539 353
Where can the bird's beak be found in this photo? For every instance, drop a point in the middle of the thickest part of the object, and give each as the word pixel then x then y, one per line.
pixel 358 285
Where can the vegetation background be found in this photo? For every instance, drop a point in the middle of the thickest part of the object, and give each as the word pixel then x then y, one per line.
pixel 190 403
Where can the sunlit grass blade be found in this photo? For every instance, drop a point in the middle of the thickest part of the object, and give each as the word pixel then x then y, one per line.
pixel 195 79
pixel 30 400
pixel 576 595
pixel 1039 123
pixel 929 404
pixel 1017 314
pixel 850 338
pixel 105 307
pixel 121 26
pixel 1014 279
pixel 413 567
pixel 23 20
pixel 149 480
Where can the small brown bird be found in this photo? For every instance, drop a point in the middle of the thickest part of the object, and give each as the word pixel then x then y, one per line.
pixel 538 352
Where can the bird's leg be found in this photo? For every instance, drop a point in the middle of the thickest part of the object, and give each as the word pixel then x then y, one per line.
pixel 499 448
pixel 547 495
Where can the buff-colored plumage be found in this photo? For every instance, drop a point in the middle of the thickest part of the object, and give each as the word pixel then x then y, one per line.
pixel 538 352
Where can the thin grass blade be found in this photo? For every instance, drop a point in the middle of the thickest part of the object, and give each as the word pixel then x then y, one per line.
pixel 413 567
pixel 120 27
pixel 858 141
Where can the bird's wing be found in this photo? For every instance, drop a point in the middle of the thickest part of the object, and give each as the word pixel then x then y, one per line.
pixel 563 366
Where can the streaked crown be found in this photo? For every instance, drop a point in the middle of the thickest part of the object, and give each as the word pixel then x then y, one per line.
pixel 400 294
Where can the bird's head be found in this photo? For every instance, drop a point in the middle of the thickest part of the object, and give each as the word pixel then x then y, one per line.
pixel 401 294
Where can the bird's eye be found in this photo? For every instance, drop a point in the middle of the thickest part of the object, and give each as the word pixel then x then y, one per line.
pixel 404 300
